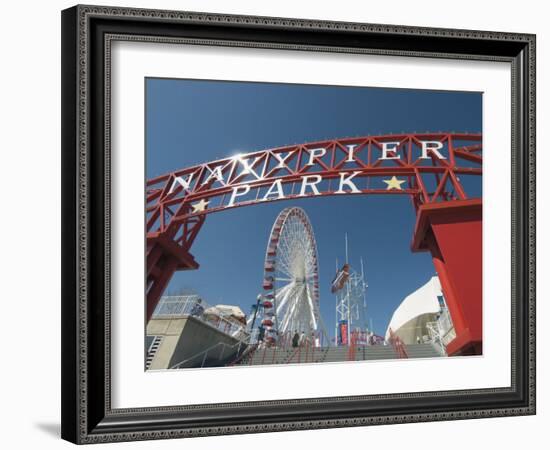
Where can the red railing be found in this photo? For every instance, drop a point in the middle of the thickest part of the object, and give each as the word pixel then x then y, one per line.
pixel 398 345
pixel 352 349
pixel 307 348
pixel 246 354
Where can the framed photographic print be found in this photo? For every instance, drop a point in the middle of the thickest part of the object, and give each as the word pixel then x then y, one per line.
pixel 282 224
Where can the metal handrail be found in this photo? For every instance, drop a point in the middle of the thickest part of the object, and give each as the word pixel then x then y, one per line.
pixel 298 352
pixel 182 305
pixel 441 331
pixel 247 352
pixel 398 345
pixel 205 352
pixel 353 346
pixel 436 337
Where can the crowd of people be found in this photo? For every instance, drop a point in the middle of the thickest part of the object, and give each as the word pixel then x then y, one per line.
pixel 299 339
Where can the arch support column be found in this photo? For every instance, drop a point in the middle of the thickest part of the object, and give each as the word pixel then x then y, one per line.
pixel 164 258
pixel 452 233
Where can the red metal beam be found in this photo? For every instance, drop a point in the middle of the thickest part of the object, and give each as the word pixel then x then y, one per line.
pixel 173 219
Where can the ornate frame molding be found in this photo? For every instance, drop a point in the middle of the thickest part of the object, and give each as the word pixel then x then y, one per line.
pixel 85 30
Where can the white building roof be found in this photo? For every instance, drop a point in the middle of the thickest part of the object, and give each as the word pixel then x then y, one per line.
pixel 422 301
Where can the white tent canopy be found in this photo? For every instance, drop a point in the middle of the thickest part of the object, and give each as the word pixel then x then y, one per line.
pixel 422 302
pixel 231 310
pixel 225 310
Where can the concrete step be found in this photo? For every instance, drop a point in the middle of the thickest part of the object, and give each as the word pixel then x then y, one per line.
pixel 335 354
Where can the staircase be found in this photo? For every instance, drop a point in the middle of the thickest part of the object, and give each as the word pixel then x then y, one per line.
pixel 152 351
pixel 424 350
pixel 291 355
pixel 284 355
pixel 370 353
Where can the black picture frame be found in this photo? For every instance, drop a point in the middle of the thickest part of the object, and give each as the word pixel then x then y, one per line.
pixel 87 415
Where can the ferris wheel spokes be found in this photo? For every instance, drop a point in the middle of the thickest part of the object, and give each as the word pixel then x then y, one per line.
pixel 291 277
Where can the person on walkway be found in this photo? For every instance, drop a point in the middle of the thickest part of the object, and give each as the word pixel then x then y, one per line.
pixel 295 339
pixel 302 339
pixel 197 309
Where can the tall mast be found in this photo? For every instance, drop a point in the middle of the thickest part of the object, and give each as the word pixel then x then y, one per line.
pixel 350 298
pixel 347 259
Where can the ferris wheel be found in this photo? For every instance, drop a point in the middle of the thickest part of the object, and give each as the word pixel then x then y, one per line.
pixel 291 280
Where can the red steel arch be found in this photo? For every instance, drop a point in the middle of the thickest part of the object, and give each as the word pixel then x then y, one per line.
pixel 426 166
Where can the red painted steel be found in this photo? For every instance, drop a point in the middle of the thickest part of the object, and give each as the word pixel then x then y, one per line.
pixel 398 345
pixel 452 233
pixel 352 350
pixel 177 203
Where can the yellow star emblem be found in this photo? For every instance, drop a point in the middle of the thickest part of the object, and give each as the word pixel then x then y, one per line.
pixel 394 183
pixel 200 206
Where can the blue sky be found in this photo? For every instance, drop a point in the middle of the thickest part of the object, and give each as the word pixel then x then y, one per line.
pixel 194 121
